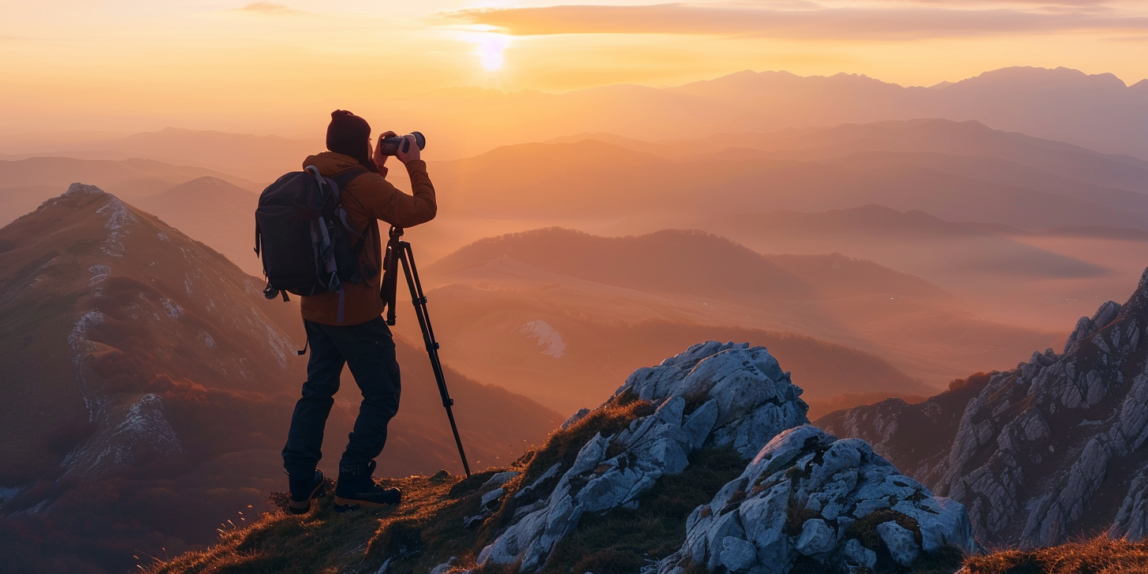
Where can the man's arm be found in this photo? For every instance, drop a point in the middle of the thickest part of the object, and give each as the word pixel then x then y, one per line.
pixel 384 201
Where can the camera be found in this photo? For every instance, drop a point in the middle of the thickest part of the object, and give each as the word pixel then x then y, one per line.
pixel 390 146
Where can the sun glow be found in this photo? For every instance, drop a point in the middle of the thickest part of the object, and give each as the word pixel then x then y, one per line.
pixel 490 49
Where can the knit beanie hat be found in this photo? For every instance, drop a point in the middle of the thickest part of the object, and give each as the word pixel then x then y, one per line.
pixel 350 135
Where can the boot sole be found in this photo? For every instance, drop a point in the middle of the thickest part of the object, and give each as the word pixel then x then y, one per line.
pixel 348 504
pixel 319 491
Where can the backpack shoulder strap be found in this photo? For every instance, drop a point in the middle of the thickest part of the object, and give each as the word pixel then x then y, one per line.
pixel 344 179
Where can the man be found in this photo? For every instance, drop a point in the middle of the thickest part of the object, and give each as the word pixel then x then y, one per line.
pixel 351 331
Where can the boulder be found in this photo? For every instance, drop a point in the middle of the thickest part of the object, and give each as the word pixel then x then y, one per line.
pixel 711 396
pixel 834 504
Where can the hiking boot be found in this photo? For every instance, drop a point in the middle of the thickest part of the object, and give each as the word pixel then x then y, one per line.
pixel 303 490
pixel 356 489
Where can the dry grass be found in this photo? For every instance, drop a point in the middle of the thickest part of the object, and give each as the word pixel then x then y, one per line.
pixel 424 531
pixel 1098 556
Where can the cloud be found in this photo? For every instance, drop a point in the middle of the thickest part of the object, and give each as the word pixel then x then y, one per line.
pixel 884 23
pixel 270 8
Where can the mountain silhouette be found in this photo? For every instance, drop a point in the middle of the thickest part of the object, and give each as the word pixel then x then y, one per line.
pixel 1096 111
pixel 257 158
pixel 150 385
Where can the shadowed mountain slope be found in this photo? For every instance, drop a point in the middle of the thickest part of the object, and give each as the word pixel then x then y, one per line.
pixel 149 386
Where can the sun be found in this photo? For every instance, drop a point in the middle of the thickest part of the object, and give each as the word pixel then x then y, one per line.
pixel 490 48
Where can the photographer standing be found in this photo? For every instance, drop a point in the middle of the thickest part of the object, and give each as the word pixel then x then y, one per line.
pixel 347 327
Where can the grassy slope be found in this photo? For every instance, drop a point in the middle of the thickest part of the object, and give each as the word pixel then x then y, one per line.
pixel 1096 556
pixel 427 529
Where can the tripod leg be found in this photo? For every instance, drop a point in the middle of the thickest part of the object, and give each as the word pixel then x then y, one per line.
pixel 407 258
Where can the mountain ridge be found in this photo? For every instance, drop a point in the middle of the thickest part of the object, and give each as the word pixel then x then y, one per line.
pixel 1050 450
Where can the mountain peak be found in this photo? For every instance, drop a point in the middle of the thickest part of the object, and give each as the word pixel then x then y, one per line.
pixel 83 189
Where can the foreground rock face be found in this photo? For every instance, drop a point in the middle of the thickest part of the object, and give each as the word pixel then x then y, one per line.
pixel 1050 450
pixel 833 504
pixel 712 395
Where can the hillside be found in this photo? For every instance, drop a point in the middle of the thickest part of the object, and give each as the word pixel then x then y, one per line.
pixel 586 291
pixel 213 211
pixel 150 385
pixel 685 262
pixel 1047 452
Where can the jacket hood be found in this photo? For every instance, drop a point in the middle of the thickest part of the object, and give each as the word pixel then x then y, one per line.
pixel 331 163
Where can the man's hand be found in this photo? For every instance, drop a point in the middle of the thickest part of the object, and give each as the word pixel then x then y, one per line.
pixel 412 150
pixel 380 159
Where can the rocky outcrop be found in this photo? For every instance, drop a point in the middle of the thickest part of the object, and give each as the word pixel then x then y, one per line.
pixel 712 395
pixel 834 505
pixel 915 438
pixel 1056 447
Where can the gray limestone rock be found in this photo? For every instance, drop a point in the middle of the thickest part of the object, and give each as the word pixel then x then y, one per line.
pixel 499 479
pixel 830 484
pixel 737 554
pixel 900 541
pixel 856 554
pixel 816 537
pixel 735 396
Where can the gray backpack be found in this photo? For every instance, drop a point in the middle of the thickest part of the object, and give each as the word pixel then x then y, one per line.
pixel 302 234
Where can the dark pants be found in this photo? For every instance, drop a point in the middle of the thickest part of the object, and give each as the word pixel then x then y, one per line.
pixel 369 350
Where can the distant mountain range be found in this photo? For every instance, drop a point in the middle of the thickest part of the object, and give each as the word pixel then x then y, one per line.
pixel 955 171
pixel 1096 111
pixel 257 158
pixel 505 300
pixel 149 385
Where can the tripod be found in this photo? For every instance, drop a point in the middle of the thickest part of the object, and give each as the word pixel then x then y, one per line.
pixel 399 251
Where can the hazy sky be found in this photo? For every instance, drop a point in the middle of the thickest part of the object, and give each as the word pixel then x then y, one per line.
pixel 135 64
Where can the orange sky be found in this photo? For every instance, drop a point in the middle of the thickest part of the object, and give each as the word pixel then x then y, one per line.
pixel 131 65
